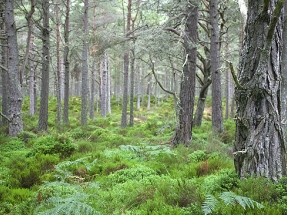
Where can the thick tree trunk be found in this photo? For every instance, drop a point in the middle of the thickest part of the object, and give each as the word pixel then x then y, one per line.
pixel 284 73
pixel 43 115
pixel 15 92
pixel 67 64
pixel 4 72
pixel 259 143
pixel 183 130
pixel 217 120
pixel 84 91
pixel 126 71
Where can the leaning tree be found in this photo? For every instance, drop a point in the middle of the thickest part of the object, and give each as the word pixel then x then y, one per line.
pixel 259 142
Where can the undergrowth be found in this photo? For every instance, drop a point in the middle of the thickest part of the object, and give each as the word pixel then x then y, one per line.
pixel 105 169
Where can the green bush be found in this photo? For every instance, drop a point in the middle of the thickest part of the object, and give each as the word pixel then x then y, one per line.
pixel 53 144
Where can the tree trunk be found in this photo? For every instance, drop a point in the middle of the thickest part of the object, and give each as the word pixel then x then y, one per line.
pixel 138 87
pixel 84 91
pixel 126 70
pixel 104 86
pixel 4 71
pixel 43 115
pixel 259 146
pixel 149 91
pixel 132 87
pixel 67 64
pixel 32 78
pixel 284 73
pixel 15 92
pixel 58 76
pixel 217 120
pixel 183 130
pixel 93 88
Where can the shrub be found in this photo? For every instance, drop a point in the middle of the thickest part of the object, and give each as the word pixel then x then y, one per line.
pixel 53 144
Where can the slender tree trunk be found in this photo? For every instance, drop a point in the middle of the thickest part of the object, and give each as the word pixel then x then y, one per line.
pixel 217 120
pixel 109 109
pixel 93 88
pixel 58 79
pixel 138 87
pixel 227 82
pixel 183 130
pixel 67 64
pixel 43 115
pixel 85 70
pixel 149 91
pixel 132 87
pixel 32 78
pixel 104 86
pixel 15 92
pixel 259 146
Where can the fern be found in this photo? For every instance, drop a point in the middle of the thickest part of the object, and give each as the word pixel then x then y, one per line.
pixel 228 198
pixel 74 204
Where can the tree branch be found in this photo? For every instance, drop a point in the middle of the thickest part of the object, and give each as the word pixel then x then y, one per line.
pixel 6 117
pixel 3 67
pixel 234 76
pixel 172 30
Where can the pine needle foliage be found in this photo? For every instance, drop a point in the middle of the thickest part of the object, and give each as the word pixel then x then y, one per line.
pixel 212 204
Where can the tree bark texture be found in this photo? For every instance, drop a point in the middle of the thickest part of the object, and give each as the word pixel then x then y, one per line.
pixel 104 86
pixel 132 81
pixel 217 120
pixel 84 91
pixel 67 64
pixel 284 73
pixel 4 73
pixel 126 71
pixel 259 147
pixel 32 78
pixel 183 130
pixel 93 88
pixel 43 115
pixel 15 92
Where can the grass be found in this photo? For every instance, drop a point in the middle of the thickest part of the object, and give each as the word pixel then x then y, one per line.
pixel 105 169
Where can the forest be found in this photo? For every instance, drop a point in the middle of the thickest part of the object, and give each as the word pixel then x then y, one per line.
pixel 143 107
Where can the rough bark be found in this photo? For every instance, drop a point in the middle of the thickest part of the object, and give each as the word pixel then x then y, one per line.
pixel 126 71
pixel 183 130
pixel 217 120
pixel 58 77
pixel 84 91
pixel 67 64
pixel 15 92
pixel 259 146
pixel 284 72
pixel 4 72
pixel 43 115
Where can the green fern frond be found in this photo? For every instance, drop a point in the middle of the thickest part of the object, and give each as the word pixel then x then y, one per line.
pixel 210 204
pixel 228 198
pixel 66 206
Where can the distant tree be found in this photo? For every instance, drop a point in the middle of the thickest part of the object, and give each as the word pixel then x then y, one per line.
pixel 15 92
pixel 43 115
pixel 259 146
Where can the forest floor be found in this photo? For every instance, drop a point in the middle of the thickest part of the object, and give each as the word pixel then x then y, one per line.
pixel 106 169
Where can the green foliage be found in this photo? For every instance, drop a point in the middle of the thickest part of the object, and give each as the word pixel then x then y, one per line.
pixel 53 144
pixel 26 172
pixel 199 155
pixel 62 198
pixel 226 199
